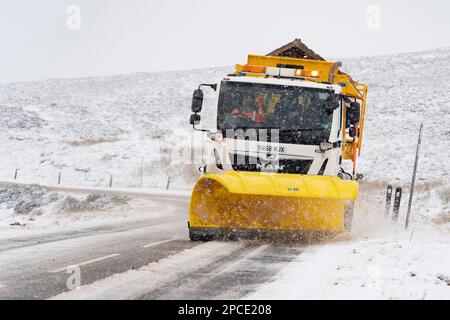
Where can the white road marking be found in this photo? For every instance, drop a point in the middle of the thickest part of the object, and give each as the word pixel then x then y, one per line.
pixel 159 242
pixel 85 262
pixel 2 285
pixel 136 283
pixel 252 253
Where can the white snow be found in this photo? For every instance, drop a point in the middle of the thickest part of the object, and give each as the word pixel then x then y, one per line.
pixel 135 207
pixel 405 90
pixel 386 263
pixel 379 259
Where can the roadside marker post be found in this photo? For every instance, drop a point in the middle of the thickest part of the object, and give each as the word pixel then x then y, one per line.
pixel 413 181
pixel 387 207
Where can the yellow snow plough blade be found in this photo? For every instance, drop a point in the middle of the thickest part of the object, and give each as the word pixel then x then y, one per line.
pixel 250 203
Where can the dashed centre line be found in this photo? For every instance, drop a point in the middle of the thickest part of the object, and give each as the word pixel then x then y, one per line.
pixel 159 242
pixel 85 263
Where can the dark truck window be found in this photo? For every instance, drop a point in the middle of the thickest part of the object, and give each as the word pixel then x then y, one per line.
pixel 298 113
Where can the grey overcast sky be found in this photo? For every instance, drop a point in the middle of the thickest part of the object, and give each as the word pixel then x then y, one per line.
pixel 123 36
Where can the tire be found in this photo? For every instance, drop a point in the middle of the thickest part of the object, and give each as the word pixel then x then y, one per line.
pixel 194 236
pixel 198 235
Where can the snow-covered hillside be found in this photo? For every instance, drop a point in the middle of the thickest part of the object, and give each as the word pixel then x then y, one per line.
pixel 405 90
pixel 91 128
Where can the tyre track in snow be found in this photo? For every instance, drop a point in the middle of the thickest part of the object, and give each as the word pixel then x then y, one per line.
pixel 211 270
pixel 230 277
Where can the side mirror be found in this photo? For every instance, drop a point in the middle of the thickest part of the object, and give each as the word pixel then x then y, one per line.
pixel 197 101
pixel 354 113
pixel 194 119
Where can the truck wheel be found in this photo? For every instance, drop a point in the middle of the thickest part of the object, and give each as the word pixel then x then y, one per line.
pixel 199 235
pixel 194 236
pixel 348 215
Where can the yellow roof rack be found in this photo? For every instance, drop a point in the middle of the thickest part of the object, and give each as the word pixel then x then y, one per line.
pixel 328 72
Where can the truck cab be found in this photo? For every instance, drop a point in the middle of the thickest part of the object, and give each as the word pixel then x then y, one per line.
pixel 282 119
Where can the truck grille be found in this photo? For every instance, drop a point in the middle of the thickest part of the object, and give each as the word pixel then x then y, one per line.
pixel 254 164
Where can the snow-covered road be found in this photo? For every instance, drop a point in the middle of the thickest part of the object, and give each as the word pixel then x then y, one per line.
pixel 35 266
pixel 146 254
pixel 147 259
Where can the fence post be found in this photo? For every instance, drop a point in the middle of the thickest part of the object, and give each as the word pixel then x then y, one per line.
pixel 15 174
pixel 413 181
pixel 397 201
pixel 59 178
pixel 110 181
pixel 387 207
pixel 168 183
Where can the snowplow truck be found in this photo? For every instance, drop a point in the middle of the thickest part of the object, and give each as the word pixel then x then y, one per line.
pixel 284 129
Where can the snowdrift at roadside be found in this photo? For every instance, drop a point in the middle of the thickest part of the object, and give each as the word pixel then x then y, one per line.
pixel 20 203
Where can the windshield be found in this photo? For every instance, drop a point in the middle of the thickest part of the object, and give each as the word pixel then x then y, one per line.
pixel 297 112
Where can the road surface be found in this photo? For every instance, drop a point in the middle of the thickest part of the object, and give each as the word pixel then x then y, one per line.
pixel 147 259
